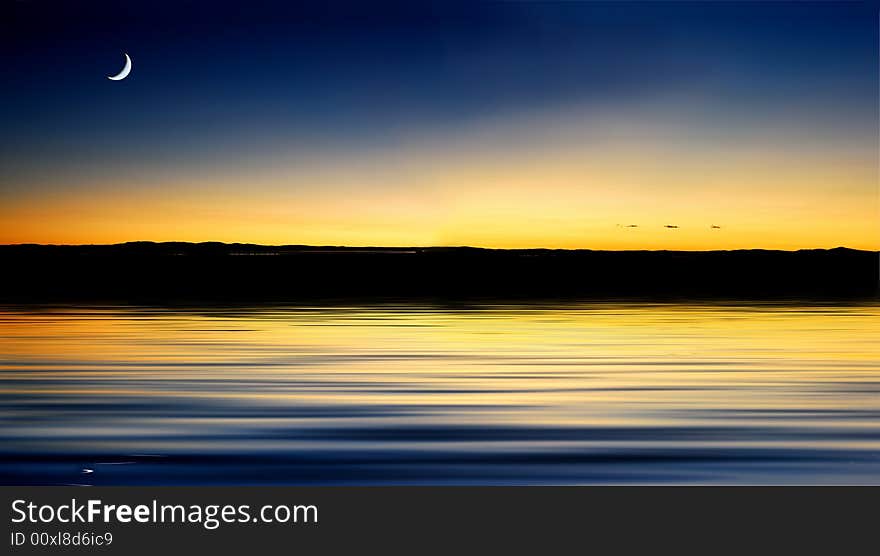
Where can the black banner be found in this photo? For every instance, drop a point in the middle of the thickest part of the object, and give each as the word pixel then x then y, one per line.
pixel 412 520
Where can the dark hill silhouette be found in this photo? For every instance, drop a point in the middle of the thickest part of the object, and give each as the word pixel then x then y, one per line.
pixel 176 271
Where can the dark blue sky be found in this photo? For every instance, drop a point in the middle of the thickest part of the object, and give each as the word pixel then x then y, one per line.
pixel 366 72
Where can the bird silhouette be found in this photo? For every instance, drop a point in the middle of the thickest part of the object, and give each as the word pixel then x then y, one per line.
pixel 714 227
pixel 671 226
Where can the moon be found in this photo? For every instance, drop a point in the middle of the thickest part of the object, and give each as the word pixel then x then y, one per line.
pixel 124 73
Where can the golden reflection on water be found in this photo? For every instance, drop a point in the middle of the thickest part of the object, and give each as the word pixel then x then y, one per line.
pixel 493 393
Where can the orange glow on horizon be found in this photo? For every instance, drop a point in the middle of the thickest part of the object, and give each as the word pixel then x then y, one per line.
pixel 569 191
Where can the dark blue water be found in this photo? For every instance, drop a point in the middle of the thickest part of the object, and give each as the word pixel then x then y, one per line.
pixel 587 393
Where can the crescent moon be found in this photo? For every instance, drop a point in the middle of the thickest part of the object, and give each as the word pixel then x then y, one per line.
pixel 124 73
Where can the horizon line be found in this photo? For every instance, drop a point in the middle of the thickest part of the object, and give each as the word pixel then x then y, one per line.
pixel 401 247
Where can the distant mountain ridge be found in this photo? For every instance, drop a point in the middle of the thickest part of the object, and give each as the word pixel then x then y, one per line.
pixel 221 272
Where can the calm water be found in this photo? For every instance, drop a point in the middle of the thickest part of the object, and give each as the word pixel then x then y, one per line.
pixel 403 394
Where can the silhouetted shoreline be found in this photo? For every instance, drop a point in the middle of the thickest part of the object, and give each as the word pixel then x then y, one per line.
pixel 146 271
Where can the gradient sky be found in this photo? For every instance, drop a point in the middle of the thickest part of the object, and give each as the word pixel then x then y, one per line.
pixel 504 124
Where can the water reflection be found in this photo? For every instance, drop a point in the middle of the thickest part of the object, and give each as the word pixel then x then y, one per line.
pixel 414 393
